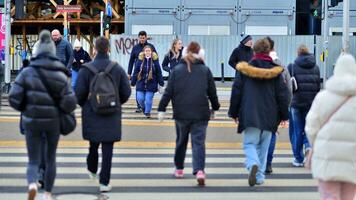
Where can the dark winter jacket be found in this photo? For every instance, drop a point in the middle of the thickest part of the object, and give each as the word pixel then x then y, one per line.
pixel 169 61
pixel 241 53
pixel 259 96
pixel 29 95
pixel 101 128
pixel 141 79
pixel 190 92
pixel 307 74
pixel 64 52
pixel 80 57
pixel 136 50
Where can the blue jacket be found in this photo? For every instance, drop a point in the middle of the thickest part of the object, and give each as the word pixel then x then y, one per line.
pixel 306 72
pixel 259 96
pixel 64 52
pixel 143 84
pixel 136 50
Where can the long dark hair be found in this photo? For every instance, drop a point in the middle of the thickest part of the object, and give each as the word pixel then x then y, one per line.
pixel 150 67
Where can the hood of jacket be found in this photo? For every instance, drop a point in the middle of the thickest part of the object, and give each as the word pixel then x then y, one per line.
pixel 306 61
pixel 258 72
pixel 49 62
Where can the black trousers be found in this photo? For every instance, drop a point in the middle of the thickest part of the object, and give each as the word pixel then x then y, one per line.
pixel 93 158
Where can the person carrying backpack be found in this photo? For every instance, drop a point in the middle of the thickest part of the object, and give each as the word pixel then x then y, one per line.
pixel 102 87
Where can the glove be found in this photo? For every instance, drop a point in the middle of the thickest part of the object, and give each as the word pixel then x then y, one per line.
pixel 161 89
pixel 161 116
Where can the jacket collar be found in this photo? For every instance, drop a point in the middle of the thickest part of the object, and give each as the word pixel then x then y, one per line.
pixel 259 73
pixel 49 62
pixel 101 56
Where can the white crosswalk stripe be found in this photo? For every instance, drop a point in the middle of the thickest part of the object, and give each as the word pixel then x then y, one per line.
pixel 146 173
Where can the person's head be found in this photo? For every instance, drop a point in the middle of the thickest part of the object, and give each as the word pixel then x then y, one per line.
pixel 142 37
pixel 345 65
pixel 56 35
pixel 176 45
pixel 302 50
pixel 271 42
pixel 44 45
pixel 246 40
pixel 262 46
pixel 147 50
pixel 102 45
pixel 193 52
pixel 77 45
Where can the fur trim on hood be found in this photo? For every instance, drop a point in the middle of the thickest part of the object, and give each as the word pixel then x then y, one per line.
pixel 141 56
pixel 260 73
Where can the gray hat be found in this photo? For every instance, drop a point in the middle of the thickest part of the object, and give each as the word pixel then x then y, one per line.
pixel 45 44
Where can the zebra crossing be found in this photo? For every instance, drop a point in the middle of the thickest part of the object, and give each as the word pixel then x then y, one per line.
pixel 146 173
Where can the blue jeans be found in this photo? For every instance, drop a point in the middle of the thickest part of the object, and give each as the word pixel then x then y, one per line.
pixel 298 137
pixel 74 79
pixel 34 143
pixel 255 145
pixel 93 158
pixel 145 100
pixel 197 130
pixel 272 146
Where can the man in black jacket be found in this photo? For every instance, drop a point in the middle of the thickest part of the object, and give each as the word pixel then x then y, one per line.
pixel 136 50
pixel 259 101
pixel 64 50
pixel 243 52
pixel 101 129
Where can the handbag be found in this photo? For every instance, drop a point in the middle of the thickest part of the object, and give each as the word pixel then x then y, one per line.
pixel 294 80
pixel 308 162
pixel 67 122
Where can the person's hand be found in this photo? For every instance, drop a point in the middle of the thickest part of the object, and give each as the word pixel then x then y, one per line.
pixel 283 124
pixel 236 120
pixel 212 114
pixel 82 61
pixel 161 116
pixel 129 77
pixel 161 89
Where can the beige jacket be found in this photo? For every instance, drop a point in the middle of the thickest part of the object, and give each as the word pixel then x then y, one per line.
pixel 334 144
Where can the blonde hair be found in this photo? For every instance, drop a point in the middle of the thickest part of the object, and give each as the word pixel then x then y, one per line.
pixel 302 50
pixel 172 49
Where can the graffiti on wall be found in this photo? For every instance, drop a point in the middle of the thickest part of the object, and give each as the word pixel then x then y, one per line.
pixel 124 45
pixel 18 44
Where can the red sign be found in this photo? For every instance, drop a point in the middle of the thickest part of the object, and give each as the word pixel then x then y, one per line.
pixel 68 8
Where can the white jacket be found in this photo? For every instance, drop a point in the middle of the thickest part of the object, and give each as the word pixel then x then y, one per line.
pixel 334 144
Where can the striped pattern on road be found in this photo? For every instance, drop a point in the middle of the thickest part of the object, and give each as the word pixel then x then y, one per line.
pixel 138 171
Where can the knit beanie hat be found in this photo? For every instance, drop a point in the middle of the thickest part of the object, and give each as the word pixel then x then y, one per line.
pixel 77 43
pixel 245 38
pixel 45 44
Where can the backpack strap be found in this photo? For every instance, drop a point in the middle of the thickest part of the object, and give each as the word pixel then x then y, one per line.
pixel 110 66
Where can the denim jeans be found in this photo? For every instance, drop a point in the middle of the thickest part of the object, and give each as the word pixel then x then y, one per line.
pixel 255 145
pixel 74 79
pixel 145 100
pixel 298 136
pixel 272 146
pixel 197 130
pixel 93 158
pixel 34 143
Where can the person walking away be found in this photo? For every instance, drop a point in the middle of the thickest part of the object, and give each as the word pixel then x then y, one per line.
pixel 259 102
pixel 147 76
pixel 64 50
pixel 330 127
pixel 307 75
pixel 136 50
pixel 286 78
pixel 40 112
pixel 190 87
pixel 173 57
pixel 80 57
pixel 243 52
pixel 102 88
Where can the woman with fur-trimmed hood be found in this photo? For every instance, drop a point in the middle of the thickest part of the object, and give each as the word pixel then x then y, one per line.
pixel 147 76
pixel 259 101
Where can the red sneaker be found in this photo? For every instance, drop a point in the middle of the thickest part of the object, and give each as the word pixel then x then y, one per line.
pixel 178 173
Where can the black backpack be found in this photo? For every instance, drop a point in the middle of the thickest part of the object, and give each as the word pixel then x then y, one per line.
pixel 103 91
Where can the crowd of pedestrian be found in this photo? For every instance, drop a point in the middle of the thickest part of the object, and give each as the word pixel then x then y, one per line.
pixel 265 93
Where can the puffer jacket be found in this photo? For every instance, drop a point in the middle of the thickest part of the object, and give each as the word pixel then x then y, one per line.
pixel 29 95
pixel 334 141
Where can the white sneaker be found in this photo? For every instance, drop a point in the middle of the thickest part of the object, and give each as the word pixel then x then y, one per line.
pixel 92 175
pixel 105 188
pixel 297 164
pixel 47 196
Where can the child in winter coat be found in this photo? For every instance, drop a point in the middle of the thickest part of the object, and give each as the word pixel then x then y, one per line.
pixel 330 127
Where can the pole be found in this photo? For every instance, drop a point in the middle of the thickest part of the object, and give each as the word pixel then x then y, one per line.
pixel 325 39
pixel 7 41
pixel 222 72
pixel 101 23
pixel 346 27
